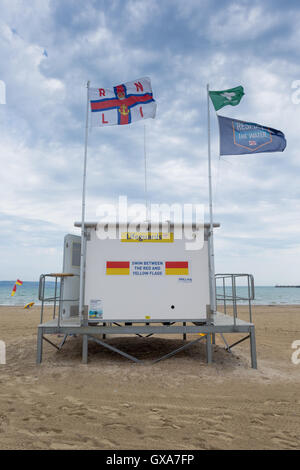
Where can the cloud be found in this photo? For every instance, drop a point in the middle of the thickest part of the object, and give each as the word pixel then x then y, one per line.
pixel 242 22
pixel 181 46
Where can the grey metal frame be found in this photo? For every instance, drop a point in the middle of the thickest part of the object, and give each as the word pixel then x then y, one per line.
pixel 214 324
pixel 234 298
pixel 56 297
pixel 88 333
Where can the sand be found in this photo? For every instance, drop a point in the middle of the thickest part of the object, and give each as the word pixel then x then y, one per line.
pixel 180 403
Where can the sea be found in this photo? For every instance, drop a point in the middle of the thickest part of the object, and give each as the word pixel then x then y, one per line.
pixel 27 292
pixel 264 295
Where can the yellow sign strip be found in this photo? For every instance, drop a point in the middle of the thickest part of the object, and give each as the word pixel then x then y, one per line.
pixel 118 271
pixel 147 237
pixel 177 271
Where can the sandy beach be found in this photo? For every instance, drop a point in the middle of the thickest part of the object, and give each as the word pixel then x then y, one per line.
pixel 180 403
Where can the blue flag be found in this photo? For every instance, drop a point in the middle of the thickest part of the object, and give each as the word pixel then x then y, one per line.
pixel 241 137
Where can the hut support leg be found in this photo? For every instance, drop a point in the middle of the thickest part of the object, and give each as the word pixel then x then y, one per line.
pixel 184 334
pixel 85 347
pixel 39 355
pixel 208 349
pixel 253 348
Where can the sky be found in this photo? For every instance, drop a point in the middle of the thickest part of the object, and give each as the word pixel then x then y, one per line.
pixel 48 51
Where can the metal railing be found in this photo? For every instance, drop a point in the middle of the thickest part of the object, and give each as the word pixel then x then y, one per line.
pixel 227 283
pixel 57 298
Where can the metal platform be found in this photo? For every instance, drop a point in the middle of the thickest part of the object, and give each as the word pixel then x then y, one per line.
pixel 219 324
pixel 206 328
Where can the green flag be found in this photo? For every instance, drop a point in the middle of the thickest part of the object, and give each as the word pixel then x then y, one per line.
pixel 221 98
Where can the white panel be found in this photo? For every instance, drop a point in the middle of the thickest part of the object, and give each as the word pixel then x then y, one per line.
pixel 140 297
pixel 71 264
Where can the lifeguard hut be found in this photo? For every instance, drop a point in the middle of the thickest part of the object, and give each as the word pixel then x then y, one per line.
pixel 143 282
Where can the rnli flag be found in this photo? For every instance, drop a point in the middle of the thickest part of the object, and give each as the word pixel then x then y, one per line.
pixel 117 267
pixel 241 137
pixel 177 267
pixel 123 104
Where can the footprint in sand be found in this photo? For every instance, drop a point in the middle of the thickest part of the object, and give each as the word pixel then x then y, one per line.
pixel 129 428
pixel 62 446
pixel 42 431
pixel 25 432
pixel 283 441
pixel 225 436
pixel 109 443
pixel 258 422
pixel 156 420
pixel 112 412
pixel 4 421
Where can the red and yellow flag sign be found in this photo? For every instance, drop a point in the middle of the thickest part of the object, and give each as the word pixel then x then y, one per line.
pixel 18 283
pixel 177 267
pixel 117 267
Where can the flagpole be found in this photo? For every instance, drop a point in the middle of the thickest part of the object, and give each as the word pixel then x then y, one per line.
pixel 145 168
pixel 211 222
pixel 82 249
